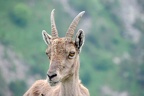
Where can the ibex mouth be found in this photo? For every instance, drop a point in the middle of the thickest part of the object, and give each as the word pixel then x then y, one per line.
pixel 53 83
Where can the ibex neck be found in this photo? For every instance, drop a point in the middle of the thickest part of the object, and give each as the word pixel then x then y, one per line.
pixel 71 86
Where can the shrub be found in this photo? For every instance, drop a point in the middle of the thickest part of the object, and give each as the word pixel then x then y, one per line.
pixel 103 64
pixel 17 87
pixel 20 14
pixel 2 84
pixel 86 78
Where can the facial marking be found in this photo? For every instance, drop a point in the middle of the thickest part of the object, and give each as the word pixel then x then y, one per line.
pixel 58 47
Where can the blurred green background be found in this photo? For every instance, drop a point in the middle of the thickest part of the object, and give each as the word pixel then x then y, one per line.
pixel 112 58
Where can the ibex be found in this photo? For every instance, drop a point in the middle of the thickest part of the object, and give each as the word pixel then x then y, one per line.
pixel 63 73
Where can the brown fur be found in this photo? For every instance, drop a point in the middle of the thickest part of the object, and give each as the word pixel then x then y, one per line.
pixel 63 72
pixel 71 81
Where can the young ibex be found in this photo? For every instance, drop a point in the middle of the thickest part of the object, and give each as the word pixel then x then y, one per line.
pixel 63 72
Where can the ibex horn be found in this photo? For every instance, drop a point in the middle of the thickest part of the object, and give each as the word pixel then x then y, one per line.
pixel 53 25
pixel 74 24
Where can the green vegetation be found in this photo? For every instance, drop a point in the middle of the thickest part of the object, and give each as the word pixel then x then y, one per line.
pixel 20 15
pixel 17 87
pixel 23 20
pixel 3 84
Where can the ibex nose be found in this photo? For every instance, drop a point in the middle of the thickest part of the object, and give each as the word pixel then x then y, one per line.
pixel 50 76
pixel 52 70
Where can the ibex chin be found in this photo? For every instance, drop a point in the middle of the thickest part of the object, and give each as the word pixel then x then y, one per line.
pixel 63 73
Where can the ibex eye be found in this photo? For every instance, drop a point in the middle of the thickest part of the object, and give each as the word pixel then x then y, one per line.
pixel 46 53
pixel 71 54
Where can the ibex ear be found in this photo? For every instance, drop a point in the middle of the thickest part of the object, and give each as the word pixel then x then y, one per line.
pixel 46 37
pixel 79 40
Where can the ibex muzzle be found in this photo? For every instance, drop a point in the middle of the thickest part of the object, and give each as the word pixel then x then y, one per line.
pixel 52 71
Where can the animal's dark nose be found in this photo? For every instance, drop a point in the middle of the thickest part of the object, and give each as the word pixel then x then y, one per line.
pixel 51 76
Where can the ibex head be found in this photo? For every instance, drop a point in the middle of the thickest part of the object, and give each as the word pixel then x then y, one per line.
pixel 63 52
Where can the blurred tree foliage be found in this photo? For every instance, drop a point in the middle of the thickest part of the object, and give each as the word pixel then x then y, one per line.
pixel 20 14
pixel 17 87
pixel 2 84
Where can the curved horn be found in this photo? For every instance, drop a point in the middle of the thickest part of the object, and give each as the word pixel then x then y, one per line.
pixel 74 24
pixel 53 25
